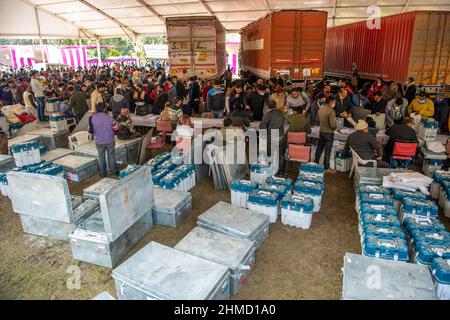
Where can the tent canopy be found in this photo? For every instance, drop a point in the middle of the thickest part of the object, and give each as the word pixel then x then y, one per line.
pixel 132 18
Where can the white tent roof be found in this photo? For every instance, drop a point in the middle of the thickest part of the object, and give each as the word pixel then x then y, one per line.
pixel 112 18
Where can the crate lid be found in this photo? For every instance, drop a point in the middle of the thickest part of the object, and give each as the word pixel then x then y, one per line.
pixel 381 220
pixel 425 252
pixel 371 208
pixel 262 197
pixel 440 268
pixel 297 202
pixel 419 207
pixel 400 194
pixel 170 274
pixel 386 231
pixel 376 198
pixel 123 204
pixel 100 187
pixel 280 181
pixel 73 161
pixel 441 175
pixel 237 221
pixel 170 200
pixel 309 187
pixel 312 167
pixel 422 223
pixel 243 185
pixel 372 188
pixel 218 247
pixel 310 176
pixel 430 236
pixel 279 189
pixel 386 247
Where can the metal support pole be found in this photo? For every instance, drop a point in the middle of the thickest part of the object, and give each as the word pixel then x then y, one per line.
pixel 39 33
pixel 99 54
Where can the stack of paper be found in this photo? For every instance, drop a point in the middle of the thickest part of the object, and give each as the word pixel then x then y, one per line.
pixel 409 181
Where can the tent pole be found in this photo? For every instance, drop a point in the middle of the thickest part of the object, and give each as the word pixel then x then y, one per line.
pixel 39 33
pixel 99 55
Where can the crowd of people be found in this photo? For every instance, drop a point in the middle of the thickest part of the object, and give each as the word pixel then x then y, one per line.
pixel 122 90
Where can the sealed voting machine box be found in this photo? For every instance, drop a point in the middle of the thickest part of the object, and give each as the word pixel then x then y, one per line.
pixel 125 216
pixel 6 163
pixel 23 139
pixel 310 189
pixel 51 139
pixel 78 168
pixel 422 223
pixel 237 222
pixel 98 188
pixel 312 167
pixel 367 175
pixel 297 211
pixel 157 272
pixel 56 154
pixel 366 278
pixel 432 165
pixel 89 149
pixel 425 251
pixel 440 269
pixel 399 195
pixel 370 208
pixel 103 296
pixel 260 172
pixel 412 207
pixel 237 254
pixel 265 202
pixel 171 207
pixel 390 248
pixel 45 205
pixel 26 154
pixel 240 189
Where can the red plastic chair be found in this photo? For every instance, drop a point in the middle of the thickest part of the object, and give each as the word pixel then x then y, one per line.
pixel 164 129
pixel 404 150
pixel 297 138
pixel 299 153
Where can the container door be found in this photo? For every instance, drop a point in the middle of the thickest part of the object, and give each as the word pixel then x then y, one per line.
pixel 204 49
pixel 180 50
pixel 430 49
pixel 125 203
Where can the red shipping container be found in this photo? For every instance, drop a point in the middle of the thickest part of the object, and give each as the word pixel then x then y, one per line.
pixel 290 42
pixel 413 44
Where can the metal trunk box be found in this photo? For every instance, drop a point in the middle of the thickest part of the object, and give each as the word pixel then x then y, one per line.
pixel 6 163
pixel 103 296
pixel 132 148
pixel 367 278
pixel 78 168
pixel 157 272
pixel 32 196
pixel 237 254
pixel 124 218
pixel 95 190
pixel 237 222
pixel 56 154
pixel 51 139
pixel 171 207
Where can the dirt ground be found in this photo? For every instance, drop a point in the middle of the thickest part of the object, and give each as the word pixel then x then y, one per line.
pixel 291 264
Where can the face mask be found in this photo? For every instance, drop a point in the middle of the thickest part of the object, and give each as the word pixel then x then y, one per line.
pixel 321 103
pixel 261 93
pixel 332 106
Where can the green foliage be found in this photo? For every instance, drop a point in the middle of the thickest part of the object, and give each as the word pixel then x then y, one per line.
pixel 154 40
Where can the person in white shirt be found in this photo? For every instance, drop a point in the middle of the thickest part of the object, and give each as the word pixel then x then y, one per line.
pixel 39 95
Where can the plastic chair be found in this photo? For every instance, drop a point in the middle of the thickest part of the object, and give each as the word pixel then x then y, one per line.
pixel 356 160
pixel 71 123
pixel 404 150
pixel 183 144
pixel 298 153
pixel 77 139
pixel 297 138
pixel 164 129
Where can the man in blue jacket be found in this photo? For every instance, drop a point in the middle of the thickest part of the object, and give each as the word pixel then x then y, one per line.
pixel 101 126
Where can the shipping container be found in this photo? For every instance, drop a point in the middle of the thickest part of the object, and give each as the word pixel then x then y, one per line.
pixel 291 42
pixel 196 47
pixel 414 44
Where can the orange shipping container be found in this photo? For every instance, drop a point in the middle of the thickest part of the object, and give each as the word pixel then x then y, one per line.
pixel 413 44
pixel 290 42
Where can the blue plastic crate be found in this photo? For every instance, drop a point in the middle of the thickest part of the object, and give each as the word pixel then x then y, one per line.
pixel 380 231
pixel 261 168
pixel 372 188
pixel 376 198
pixel 280 190
pixel 264 198
pixel 243 186
pixel 296 203
pixel 440 176
pixel 128 170
pixel 311 177
pixel 308 187
pixel 430 236
pixel 401 194
pixel 158 175
pixel 419 207
pixel 386 248
pixel 422 223
pixel 312 167
pixel 370 208
pixel 440 268
pixel 425 252
pixel 287 182
pixel 381 220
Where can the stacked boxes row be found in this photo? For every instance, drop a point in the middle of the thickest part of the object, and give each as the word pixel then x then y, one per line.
pixel 58 123
pixel 211 262
pixel 430 246
pixel 170 173
pixel 379 226
pixel 439 190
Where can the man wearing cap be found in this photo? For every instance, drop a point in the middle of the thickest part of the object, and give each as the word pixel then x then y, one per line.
pixel 364 144
pixel 422 105
pixel 396 111
pixel 327 123
pixel 273 121
pixel 298 100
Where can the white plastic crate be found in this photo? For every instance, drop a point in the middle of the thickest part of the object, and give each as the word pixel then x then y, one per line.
pixel 58 123
pixel 427 134
pixel 240 190
pixel 264 202
pixel 297 211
